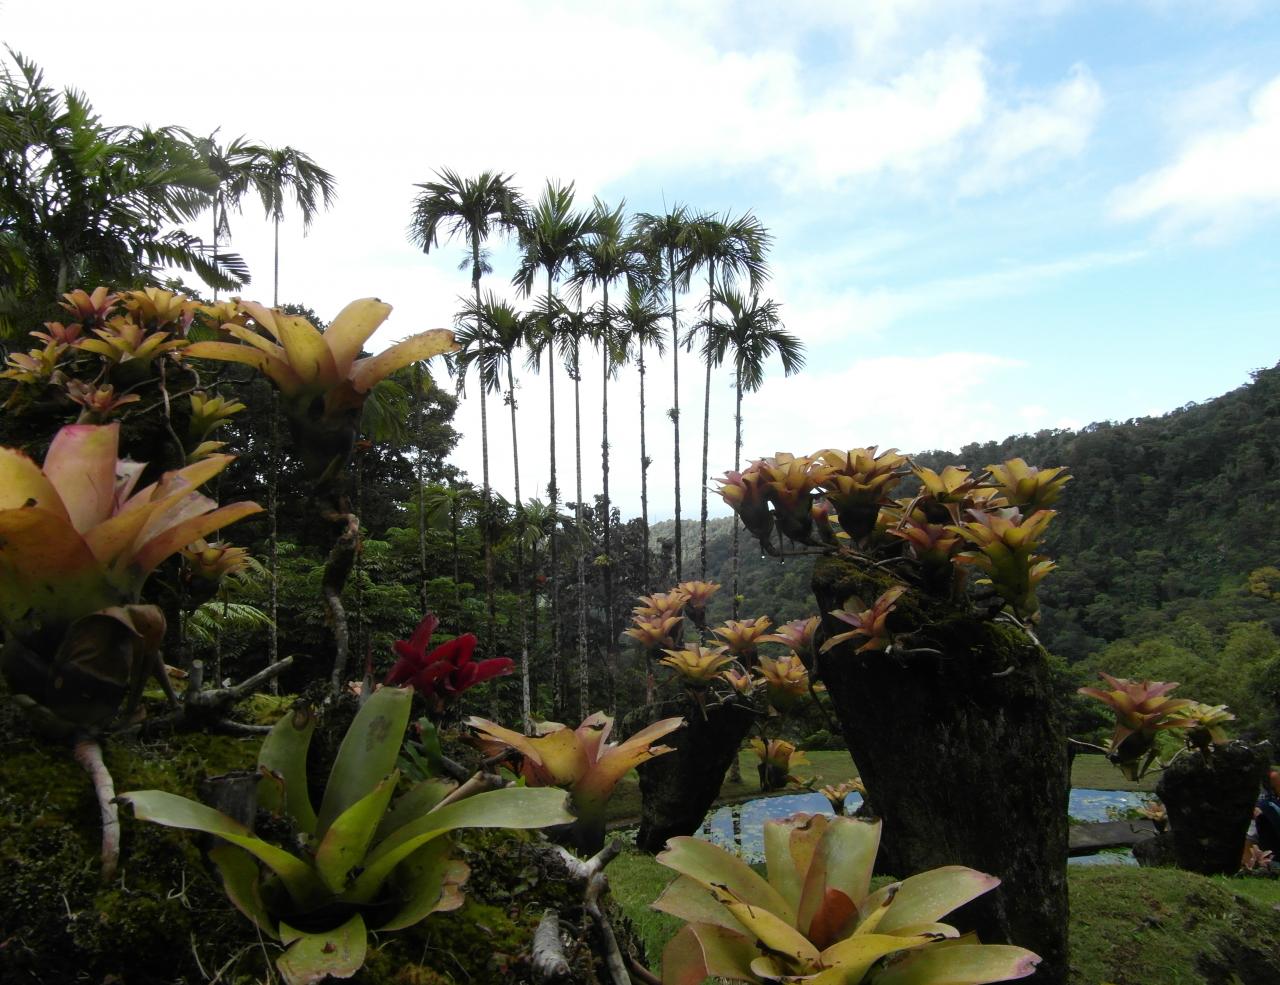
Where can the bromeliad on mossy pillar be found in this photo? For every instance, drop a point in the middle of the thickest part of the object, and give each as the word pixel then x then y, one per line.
pixel 77 542
pixel 927 650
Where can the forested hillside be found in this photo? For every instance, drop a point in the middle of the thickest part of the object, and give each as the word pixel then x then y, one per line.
pixel 1162 509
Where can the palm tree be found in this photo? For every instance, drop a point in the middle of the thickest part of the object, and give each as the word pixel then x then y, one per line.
pixel 503 330
pixel 471 209
pixel 233 166
pixel 727 247
pixel 606 256
pixel 549 237
pixel 84 203
pixel 665 238
pixel 751 333
pixel 275 173
pixel 641 323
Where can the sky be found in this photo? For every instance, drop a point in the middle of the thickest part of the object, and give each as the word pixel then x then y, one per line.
pixel 989 216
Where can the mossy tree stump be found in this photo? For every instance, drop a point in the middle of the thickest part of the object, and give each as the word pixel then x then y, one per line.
pixel 963 753
pixel 678 788
pixel 1210 799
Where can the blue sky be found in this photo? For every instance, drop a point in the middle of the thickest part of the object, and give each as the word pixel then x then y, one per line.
pixel 990 216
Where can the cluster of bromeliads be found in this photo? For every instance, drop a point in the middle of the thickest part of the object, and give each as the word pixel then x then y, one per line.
pixel 82 537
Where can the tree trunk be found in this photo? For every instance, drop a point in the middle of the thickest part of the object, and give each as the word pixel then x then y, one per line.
pixel 275 283
pixel 273 538
pixel 527 719
pixel 486 522
pixel 644 486
pixel 737 467
pixel 553 491
pixel 611 630
pixel 963 753
pixel 422 505
pixel 1210 800
pixel 584 697
pixel 675 406
pixel 678 788
pixel 706 428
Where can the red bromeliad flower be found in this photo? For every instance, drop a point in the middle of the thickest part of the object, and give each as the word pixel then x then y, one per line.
pixel 446 671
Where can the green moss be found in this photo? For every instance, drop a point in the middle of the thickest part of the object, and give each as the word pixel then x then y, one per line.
pixel 264 709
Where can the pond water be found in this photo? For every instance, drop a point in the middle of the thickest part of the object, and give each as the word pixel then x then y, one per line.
pixel 740 827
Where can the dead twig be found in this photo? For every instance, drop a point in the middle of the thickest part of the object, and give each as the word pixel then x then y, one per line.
pixel 88 753
pixel 549 961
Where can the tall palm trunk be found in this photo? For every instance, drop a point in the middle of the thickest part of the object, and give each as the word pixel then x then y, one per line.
pixel 553 493
pixel 644 484
pixel 706 428
pixel 675 406
pixel 273 539
pixel 737 467
pixel 486 521
pixel 584 698
pixel 422 498
pixel 611 647
pixel 520 574
pixel 275 284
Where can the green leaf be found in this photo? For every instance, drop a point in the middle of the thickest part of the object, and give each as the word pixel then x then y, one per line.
pixel 368 752
pixel 315 957
pixel 700 951
pixel 693 902
pixel 345 843
pixel 418 800
pixel 710 865
pixel 179 812
pixel 428 881
pixel 510 807
pixel 928 896
pixel 960 964
pixel 284 751
pixel 240 881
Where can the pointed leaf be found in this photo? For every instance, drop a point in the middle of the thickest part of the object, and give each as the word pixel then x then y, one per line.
pixel 81 464
pixel 241 883
pixel 345 843
pixel 961 964
pixel 929 896
pixel 366 372
pixel 179 812
pixel 713 866
pixel 843 862
pixel 418 800
pixel 23 485
pixel 174 539
pixel 700 951
pixel 314 957
pixel 858 953
pixel 46 569
pixel 284 751
pixel 367 754
pixel 510 807
pixel 308 355
pixel 428 881
pixel 351 329
pixel 774 933
pixel 693 902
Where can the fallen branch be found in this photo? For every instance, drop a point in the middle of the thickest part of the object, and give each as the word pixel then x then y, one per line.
pixel 88 754
pixel 549 961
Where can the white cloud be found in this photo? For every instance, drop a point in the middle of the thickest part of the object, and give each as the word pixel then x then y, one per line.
pixel 1030 134
pixel 1220 180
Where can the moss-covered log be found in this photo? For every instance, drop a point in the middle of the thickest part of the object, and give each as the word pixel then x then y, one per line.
pixel 1210 799
pixel 958 735
pixel 678 788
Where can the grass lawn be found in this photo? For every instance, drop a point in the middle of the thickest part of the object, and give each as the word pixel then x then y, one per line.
pixel 1128 925
pixel 833 766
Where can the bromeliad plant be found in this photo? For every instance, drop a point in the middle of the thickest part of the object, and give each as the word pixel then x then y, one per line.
pixel 322 380
pixel 777 758
pixel 814 919
pixel 367 859
pixel 77 542
pixel 440 675
pixel 1142 710
pixel 582 761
